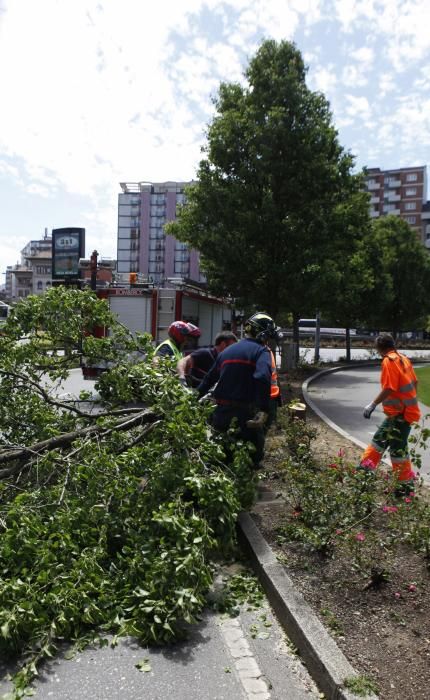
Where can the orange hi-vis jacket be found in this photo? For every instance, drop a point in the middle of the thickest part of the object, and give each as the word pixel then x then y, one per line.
pixel 274 386
pixel 398 375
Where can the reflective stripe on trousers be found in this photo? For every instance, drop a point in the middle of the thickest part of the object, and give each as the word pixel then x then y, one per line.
pixel 393 434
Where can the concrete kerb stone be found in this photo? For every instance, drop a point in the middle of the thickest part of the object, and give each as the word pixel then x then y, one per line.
pixel 325 661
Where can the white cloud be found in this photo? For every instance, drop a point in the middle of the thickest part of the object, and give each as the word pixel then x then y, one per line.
pixel 105 92
pixel 353 75
pixel 324 79
pixel 402 26
pixel 358 106
pixel 386 84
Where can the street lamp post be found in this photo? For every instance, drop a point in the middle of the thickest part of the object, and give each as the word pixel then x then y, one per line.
pixel 93 268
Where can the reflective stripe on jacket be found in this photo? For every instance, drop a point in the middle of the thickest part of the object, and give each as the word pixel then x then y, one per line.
pixel 398 375
pixel 274 386
pixel 243 373
pixel 172 352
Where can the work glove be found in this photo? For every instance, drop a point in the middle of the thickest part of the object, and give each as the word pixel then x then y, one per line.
pixel 368 410
pixel 184 384
pixel 258 421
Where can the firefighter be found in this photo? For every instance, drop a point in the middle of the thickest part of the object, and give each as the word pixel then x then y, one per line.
pixel 242 374
pixel 178 333
pixel 400 404
pixel 193 368
pixel 192 340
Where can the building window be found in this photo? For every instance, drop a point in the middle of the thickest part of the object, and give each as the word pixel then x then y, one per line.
pixel 411 219
pixel 411 191
pixel 411 177
pixel 410 205
pixel 39 284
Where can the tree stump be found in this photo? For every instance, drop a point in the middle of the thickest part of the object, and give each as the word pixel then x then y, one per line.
pixel 297 410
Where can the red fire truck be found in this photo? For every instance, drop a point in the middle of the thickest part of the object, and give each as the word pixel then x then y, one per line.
pixel 151 310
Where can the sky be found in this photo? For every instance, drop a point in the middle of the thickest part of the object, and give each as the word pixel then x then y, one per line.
pixel 98 92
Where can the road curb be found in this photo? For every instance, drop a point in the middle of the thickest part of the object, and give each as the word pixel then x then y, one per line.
pixel 326 419
pixel 326 663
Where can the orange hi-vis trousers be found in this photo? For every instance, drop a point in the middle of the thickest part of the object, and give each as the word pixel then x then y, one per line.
pixel 393 434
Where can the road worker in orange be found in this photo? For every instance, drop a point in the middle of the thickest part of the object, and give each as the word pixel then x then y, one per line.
pixel 275 393
pixel 400 404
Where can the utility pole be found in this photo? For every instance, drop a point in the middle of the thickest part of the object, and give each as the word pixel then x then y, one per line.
pixel 317 336
pixel 93 268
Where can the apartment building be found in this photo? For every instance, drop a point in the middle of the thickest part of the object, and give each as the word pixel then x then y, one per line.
pixel 142 246
pixel 401 192
pixel 33 274
pixel 425 218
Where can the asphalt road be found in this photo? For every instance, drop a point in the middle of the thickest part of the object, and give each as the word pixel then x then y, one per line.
pixel 340 397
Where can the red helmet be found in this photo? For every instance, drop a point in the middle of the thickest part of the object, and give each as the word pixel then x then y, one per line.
pixel 178 330
pixel 195 331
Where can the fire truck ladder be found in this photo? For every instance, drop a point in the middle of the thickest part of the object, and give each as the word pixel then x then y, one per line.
pixel 166 311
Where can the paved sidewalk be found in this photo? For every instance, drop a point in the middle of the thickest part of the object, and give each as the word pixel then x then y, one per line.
pixel 242 658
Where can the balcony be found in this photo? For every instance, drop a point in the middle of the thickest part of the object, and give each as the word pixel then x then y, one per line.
pixel 392 183
pixel 393 197
pixel 374 200
pixel 374 214
pixel 373 186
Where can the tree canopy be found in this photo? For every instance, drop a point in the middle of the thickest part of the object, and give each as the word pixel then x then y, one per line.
pixel 272 189
pixel 398 297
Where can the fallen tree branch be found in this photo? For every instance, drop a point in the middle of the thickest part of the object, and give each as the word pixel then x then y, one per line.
pixel 65 439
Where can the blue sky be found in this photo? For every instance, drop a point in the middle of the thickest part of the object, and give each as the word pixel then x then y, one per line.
pixel 96 92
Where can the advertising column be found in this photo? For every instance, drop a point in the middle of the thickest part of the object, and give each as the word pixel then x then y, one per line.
pixel 68 246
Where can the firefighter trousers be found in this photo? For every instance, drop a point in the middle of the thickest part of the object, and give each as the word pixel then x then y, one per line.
pixel 222 419
pixel 393 434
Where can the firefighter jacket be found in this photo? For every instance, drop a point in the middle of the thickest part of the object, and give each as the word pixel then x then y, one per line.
pixel 168 349
pixel 274 386
pixel 203 359
pixel 243 374
pixel 398 375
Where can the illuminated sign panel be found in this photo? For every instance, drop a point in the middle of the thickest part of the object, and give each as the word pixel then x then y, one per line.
pixel 68 246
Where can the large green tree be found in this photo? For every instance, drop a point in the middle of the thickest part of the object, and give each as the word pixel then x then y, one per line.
pixel 398 298
pixel 263 209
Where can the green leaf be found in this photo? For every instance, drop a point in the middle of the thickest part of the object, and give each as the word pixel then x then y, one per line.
pixel 144 666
